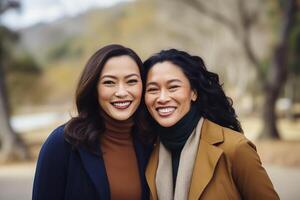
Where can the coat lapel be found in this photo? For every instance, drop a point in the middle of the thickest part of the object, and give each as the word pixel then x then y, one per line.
pixel 142 154
pixel 95 168
pixel 151 172
pixel 207 158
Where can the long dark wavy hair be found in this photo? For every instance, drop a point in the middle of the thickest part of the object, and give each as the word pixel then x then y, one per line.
pixel 212 102
pixel 85 129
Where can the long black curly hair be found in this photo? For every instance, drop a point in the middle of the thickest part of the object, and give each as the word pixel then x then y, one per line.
pixel 212 103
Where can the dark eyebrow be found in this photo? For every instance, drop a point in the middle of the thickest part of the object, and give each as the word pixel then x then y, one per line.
pixel 108 76
pixel 168 82
pixel 151 83
pixel 114 77
pixel 174 80
pixel 130 75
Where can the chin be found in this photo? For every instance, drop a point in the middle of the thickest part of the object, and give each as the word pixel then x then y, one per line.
pixel 166 124
pixel 122 118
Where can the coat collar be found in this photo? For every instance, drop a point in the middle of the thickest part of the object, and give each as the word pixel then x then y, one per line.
pixel 211 132
pixel 207 157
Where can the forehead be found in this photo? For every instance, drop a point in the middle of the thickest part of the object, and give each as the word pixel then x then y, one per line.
pixel 120 66
pixel 165 71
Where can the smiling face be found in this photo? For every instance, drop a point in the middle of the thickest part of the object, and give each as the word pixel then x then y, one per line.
pixel 168 93
pixel 120 87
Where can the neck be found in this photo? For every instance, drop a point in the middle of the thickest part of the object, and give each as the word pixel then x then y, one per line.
pixel 174 137
pixel 116 128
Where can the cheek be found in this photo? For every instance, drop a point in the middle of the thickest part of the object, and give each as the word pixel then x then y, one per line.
pixel 148 100
pixel 104 94
pixel 136 91
pixel 184 98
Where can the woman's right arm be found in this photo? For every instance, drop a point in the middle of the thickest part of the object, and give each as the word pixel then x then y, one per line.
pixel 250 177
pixel 51 170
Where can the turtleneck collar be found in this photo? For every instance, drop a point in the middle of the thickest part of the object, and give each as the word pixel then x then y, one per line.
pixel 174 137
pixel 117 130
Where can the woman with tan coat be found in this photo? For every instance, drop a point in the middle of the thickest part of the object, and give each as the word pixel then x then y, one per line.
pixel 201 152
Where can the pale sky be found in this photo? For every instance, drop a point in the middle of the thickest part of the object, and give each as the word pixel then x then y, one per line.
pixel 35 11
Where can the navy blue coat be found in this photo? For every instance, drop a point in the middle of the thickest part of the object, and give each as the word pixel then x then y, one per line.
pixel 76 174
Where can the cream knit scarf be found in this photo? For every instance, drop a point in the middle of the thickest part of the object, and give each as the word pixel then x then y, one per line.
pixel 164 177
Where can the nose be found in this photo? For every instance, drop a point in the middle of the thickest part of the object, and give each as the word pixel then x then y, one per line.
pixel 121 91
pixel 163 97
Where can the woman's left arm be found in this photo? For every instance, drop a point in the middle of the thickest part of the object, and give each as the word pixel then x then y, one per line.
pixel 50 175
pixel 249 175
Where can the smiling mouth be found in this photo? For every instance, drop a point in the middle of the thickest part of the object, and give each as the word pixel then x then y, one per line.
pixel 121 104
pixel 165 111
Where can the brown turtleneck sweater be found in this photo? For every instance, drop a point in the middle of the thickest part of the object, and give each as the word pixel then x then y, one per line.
pixel 120 160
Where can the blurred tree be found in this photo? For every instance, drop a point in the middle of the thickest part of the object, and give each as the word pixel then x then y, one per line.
pixel 274 77
pixel 12 146
pixel 292 91
pixel 278 70
pixel 23 78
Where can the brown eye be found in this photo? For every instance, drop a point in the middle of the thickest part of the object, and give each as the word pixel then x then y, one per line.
pixel 151 90
pixel 108 82
pixel 132 81
pixel 173 87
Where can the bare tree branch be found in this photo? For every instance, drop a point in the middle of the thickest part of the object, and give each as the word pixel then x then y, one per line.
pixel 248 19
pixel 247 22
pixel 214 15
pixel 241 31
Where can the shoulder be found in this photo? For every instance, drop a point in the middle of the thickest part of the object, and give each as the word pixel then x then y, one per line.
pixel 52 165
pixel 240 151
pixel 233 143
pixel 246 167
pixel 56 138
pixel 55 147
pixel 234 140
pixel 57 135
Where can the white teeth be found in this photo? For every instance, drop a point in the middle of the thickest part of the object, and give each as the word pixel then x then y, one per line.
pixel 166 110
pixel 121 104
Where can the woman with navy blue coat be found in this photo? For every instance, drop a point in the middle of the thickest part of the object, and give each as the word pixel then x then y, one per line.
pixel 102 152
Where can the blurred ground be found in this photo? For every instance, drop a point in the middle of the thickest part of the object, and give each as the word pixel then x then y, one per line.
pixel 280 158
pixel 284 152
pixel 16 181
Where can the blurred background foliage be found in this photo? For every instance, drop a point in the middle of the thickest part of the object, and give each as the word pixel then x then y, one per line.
pixel 45 59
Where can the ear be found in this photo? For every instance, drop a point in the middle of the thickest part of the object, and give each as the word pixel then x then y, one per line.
pixel 194 95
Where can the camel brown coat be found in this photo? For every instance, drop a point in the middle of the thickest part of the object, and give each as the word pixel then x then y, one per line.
pixel 227 166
